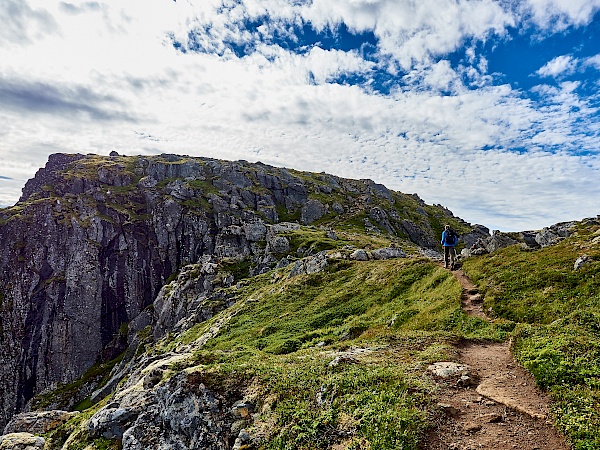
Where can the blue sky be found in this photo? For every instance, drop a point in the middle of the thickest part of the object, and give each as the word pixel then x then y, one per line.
pixel 487 107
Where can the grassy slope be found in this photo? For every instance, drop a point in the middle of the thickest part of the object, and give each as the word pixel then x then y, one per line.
pixel 558 308
pixel 395 317
pixel 402 314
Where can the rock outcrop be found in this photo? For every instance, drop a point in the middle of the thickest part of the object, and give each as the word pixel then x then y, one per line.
pixel 37 422
pixel 528 239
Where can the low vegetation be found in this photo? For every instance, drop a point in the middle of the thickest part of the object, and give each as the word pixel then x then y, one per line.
pixel 558 338
pixel 384 321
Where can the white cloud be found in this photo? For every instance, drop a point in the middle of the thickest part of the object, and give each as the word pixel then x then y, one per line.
pixel 561 65
pixel 413 32
pixel 556 15
pixel 107 78
pixel 593 61
pixel 22 24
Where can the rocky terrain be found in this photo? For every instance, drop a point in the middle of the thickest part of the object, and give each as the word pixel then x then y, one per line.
pixel 171 302
pixel 93 240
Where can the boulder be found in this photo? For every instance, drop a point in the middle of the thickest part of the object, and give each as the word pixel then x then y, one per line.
pixel 359 255
pixel 546 238
pixel 311 264
pixel 110 423
pixel 388 253
pixel 312 211
pixel 448 369
pixel 279 245
pixel 255 231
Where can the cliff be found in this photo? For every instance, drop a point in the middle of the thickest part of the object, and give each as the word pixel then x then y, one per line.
pixel 93 240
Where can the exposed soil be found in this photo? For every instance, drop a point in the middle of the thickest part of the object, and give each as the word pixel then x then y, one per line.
pixel 500 407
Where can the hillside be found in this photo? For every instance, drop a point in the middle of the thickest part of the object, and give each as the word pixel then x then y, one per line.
pixel 194 303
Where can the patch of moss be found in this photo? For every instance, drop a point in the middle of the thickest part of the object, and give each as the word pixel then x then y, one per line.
pixel 98 373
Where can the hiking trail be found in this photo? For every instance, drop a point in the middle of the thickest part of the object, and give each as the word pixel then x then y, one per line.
pixel 502 408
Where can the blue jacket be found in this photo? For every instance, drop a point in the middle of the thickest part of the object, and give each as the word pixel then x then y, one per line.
pixel 445 244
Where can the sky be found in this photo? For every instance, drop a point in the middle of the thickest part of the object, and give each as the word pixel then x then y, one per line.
pixel 488 107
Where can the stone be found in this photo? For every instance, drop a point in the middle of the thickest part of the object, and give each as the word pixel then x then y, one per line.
pixel 449 409
pixel 338 208
pixel 472 427
pixel 582 261
pixel 243 438
pixel 183 414
pixel 110 423
pixel 491 418
pixel 279 245
pixel 466 380
pixel 312 211
pixel 330 234
pixel 342 359
pixel 255 231
pixel 546 238
pixel 388 253
pixel 359 255
pixel 38 422
pixel 21 441
pixel 241 410
pixel 448 369
pixel 310 264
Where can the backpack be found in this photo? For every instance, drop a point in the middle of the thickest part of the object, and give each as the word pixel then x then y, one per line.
pixel 451 237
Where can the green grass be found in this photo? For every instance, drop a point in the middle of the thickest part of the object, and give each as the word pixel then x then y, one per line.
pixel 404 314
pixel 558 338
pixel 538 286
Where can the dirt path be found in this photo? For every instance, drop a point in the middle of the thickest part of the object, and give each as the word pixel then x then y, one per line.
pixel 500 407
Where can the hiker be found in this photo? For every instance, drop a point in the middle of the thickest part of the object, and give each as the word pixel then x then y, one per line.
pixel 449 241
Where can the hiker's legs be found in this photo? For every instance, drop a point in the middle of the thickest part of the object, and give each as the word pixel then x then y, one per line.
pixel 452 259
pixel 447 253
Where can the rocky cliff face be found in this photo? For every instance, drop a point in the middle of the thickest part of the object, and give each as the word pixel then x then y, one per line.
pixel 93 240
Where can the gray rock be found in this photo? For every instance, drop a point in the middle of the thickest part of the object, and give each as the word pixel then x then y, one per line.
pixel 388 253
pixel 111 423
pixel 330 234
pixel 478 232
pixel 497 241
pixel 279 245
pixel 342 359
pixel 243 438
pixel 448 369
pixel 338 208
pixel 546 238
pixel 582 261
pixel 255 231
pixel 359 255
pixel 310 264
pixel 312 211
pixel 184 415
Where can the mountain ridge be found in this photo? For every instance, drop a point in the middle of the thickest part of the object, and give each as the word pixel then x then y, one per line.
pixel 109 231
pixel 185 302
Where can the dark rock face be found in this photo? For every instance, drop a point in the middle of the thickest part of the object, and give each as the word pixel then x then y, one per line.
pixel 93 240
